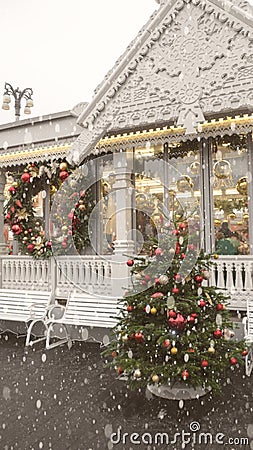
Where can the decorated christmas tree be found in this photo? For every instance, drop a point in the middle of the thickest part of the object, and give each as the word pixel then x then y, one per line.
pixel 174 326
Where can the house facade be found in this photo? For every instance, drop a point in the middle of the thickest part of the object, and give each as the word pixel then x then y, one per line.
pixel 168 134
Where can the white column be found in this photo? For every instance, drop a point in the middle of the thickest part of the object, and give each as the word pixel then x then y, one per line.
pixel 123 192
pixel 3 246
pixel 124 244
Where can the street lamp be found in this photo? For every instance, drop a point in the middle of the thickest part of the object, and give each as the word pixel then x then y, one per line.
pixel 18 95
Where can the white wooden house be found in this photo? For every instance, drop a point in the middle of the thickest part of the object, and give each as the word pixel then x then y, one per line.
pixel 171 124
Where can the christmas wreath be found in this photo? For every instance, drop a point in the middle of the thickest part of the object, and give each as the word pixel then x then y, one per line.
pixel 28 228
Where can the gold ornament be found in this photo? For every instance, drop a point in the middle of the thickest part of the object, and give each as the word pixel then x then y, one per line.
pixel 217 222
pixel 222 169
pixel 82 207
pixel 242 186
pixel 211 350
pixel 63 166
pixel 184 183
pixel 155 378
pixel 194 168
pixel 153 310
pixel 174 351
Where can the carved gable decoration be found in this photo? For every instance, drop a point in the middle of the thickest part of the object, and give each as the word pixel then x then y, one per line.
pixel 196 61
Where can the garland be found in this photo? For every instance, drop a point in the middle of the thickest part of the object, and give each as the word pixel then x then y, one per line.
pixel 28 228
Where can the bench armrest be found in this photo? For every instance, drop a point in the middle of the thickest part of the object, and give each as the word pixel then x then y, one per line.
pixel 55 312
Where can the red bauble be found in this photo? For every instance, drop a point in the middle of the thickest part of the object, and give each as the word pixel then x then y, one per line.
pixel 191 247
pixel 175 290
pixel 198 278
pixel 64 175
pixel 177 277
pixel 8 216
pixel 157 281
pixel 172 314
pixel 49 244
pixel 179 322
pixel 166 343
pixel 245 352
pixel 12 190
pixel 183 255
pixel 157 295
pixel 233 360
pixel 220 307
pixel 204 363
pixel 30 248
pixel 139 337
pixel 182 226
pixel 129 308
pixel 202 303
pixel 120 370
pixel 175 232
pixel 217 333
pixel 178 248
pixel 158 252
pixel 130 262
pixel 25 177
pixel 185 374
pixel 16 229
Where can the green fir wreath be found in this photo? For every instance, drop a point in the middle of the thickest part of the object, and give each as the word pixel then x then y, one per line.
pixel 27 228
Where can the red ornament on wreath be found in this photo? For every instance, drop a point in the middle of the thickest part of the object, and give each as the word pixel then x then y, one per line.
pixel 30 248
pixel 202 303
pixel 63 175
pixel 220 307
pixel 25 177
pixel 198 279
pixel 175 290
pixel 130 262
pixel 16 229
pixel 12 190
pixel 245 352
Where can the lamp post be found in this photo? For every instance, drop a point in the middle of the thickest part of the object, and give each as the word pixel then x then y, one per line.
pixel 18 95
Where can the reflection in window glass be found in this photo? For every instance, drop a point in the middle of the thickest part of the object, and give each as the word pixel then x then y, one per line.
pixel 230 195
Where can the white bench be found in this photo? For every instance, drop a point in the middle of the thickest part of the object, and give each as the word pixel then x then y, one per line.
pixel 23 306
pixel 81 310
pixel 248 334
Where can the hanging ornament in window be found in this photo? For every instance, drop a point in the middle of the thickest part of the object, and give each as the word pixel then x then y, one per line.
pixel 184 183
pixel 242 186
pixel 222 169
pixel 194 168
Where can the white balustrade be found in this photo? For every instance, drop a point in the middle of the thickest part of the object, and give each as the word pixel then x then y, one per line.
pixel 90 274
pixel 93 275
pixel 23 272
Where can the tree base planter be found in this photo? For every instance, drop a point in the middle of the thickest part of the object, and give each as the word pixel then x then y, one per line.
pixel 178 391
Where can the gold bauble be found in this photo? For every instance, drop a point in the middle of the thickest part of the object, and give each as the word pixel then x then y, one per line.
pixel 174 351
pixel 232 216
pixel 211 350
pixel 153 310
pixel 184 183
pixel 194 168
pixel 222 169
pixel 155 378
pixel 217 222
pixel 245 216
pixel 242 186
pixel 63 166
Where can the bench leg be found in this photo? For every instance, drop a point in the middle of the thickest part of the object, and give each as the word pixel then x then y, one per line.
pixel 30 341
pixel 249 362
pixel 60 341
